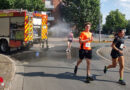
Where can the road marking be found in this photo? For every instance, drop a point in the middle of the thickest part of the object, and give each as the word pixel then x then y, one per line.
pixel 106 58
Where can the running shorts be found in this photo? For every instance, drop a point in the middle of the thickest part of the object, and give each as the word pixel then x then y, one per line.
pixel 70 40
pixel 115 54
pixel 85 54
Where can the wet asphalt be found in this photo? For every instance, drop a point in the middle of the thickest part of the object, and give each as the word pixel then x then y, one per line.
pixel 55 53
pixel 52 69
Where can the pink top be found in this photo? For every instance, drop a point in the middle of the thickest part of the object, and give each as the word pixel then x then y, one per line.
pixel 70 36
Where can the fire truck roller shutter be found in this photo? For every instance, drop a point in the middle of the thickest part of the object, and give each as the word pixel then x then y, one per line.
pixel 4 35
pixel 4 27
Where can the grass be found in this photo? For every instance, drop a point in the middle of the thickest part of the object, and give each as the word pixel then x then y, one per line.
pixel 102 41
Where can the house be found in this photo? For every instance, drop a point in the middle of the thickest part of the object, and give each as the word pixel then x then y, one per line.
pixel 53 11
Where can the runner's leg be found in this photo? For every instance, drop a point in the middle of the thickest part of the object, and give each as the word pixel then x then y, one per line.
pixel 89 77
pixel 78 62
pixel 70 43
pixel 67 46
pixel 76 67
pixel 121 71
pixel 88 66
pixel 114 63
pixel 121 63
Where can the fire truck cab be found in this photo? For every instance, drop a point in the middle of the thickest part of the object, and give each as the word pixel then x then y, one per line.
pixel 16 29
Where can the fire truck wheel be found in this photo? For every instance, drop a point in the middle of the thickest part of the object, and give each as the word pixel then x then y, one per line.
pixel 4 48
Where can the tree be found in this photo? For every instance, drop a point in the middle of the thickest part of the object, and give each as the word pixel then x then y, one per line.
pixel 115 21
pixel 128 28
pixel 5 4
pixel 31 5
pixel 34 5
pixel 81 11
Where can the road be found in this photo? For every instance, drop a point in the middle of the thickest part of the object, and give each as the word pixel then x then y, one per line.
pixel 52 69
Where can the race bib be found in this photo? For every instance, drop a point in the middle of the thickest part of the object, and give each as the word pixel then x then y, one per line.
pixel 121 46
pixel 87 45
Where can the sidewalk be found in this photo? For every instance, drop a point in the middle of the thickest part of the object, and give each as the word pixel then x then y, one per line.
pixel 7 70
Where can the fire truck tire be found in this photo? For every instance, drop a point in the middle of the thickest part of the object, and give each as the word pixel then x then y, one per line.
pixel 4 48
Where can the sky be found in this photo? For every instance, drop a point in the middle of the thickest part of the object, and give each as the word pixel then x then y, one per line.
pixel 108 5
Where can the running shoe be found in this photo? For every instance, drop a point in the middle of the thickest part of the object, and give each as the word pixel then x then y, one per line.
pixel 105 69
pixel 122 82
pixel 67 50
pixel 87 81
pixel 75 70
pixel 90 78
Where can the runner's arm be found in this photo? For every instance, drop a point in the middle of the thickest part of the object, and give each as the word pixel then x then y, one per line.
pixel 124 47
pixel 81 38
pixel 92 38
pixel 114 47
pixel 86 40
pixel 82 41
pixel 114 44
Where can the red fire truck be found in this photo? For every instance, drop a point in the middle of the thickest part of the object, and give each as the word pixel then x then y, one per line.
pixel 40 27
pixel 16 29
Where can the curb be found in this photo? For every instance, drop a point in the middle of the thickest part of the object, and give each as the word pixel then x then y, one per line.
pixel 13 71
pixel 106 58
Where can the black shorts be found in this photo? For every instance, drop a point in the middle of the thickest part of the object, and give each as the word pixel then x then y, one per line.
pixel 70 40
pixel 85 54
pixel 115 54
